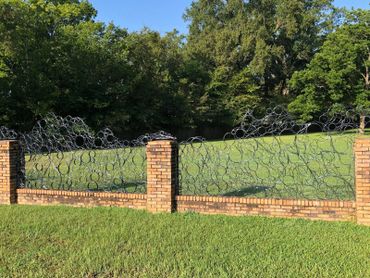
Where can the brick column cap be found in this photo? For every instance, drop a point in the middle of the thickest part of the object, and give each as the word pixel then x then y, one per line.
pixel 361 142
pixel 162 141
pixel 7 141
pixel 362 137
pixel 9 145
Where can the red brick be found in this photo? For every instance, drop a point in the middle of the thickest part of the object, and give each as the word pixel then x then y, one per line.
pixel 9 161
pixel 162 164
pixel 362 178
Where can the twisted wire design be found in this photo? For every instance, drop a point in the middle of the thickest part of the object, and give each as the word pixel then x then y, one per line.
pixel 274 156
pixel 270 156
pixel 64 153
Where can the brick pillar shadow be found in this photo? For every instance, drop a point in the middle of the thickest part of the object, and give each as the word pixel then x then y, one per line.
pixel 9 163
pixel 162 175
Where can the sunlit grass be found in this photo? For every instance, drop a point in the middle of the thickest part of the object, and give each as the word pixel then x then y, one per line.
pixel 112 242
pixel 314 166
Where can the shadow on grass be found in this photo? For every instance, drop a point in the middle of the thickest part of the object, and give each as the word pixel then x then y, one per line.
pixel 129 187
pixel 125 187
pixel 247 191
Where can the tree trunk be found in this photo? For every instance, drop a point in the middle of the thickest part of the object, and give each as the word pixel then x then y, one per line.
pixel 362 124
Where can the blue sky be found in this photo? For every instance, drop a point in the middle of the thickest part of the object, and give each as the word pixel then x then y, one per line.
pixel 163 15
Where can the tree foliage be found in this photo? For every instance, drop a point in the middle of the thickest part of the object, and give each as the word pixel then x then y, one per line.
pixel 238 55
pixel 55 57
pixel 338 76
pixel 251 48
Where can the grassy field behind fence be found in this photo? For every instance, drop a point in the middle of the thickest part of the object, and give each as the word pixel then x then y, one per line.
pixel 112 242
pixel 304 166
pixel 121 169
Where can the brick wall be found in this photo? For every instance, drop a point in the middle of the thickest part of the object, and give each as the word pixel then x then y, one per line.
pixel 362 177
pixel 162 187
pixel 162 175
pixel 319 210
pixel 80 199
pixel 9 161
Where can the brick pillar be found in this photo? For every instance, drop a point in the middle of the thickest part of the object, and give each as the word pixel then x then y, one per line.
pixel 162 175
pixel 362 176
pixel 9 161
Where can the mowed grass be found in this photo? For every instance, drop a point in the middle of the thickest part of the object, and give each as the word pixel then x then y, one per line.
pixel 122 169
pixel 312 166
pixel 114 242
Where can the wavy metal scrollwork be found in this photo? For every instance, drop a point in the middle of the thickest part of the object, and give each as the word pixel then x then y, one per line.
pixel 66 154
pixel 274 156
pixel 271 156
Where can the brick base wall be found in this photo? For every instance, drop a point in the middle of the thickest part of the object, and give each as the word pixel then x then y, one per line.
pixel 80 199
pixel 320 210
pixel 162 191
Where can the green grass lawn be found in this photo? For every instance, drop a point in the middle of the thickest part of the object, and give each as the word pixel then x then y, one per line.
pixel 121 169
pixel 113 242
pixel 312 166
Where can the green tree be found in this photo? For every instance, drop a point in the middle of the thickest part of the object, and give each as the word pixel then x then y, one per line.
pixel 155 100
pixel 55 58
pixel 338 75
pixel 30 48
pixel 239 55
pixel 256 46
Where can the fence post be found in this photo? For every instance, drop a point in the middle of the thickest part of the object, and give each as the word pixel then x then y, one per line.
pixel 162 175
pixel 9 161
pixel 362 177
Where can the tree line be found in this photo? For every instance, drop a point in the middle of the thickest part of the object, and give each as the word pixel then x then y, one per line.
pixel 305 55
